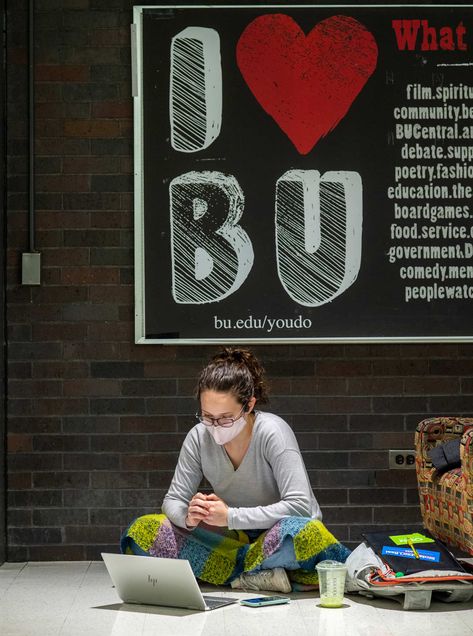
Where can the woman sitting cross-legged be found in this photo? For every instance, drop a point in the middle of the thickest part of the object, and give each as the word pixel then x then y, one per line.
pixel 260 526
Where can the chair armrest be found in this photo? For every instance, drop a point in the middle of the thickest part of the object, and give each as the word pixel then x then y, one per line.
pixel 466 456
pixel 436 431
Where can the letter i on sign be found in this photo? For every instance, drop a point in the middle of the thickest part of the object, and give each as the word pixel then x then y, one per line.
pixel 195 96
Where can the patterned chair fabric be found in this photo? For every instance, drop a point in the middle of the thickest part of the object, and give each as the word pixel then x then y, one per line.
pixel 446 499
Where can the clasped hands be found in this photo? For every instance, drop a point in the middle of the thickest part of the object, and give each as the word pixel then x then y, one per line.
pixel 207 508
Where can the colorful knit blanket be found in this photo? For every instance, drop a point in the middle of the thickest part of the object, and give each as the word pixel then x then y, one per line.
pixel 220 555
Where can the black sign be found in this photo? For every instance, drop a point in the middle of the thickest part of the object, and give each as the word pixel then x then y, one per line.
pixel 304 173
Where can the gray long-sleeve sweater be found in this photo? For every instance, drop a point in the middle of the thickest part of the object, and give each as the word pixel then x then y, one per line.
pixel 270 483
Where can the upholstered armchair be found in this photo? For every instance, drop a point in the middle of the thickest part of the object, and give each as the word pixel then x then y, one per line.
pixel 446 497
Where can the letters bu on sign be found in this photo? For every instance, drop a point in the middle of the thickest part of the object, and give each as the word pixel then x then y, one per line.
pixel 272 152
pixel 212 263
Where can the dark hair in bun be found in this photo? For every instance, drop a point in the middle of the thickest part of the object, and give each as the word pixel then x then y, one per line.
pixel 235 371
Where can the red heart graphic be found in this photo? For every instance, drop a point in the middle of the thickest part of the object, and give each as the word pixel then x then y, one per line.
pixel 306 83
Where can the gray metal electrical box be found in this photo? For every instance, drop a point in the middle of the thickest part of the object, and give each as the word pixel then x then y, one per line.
pixel 31 268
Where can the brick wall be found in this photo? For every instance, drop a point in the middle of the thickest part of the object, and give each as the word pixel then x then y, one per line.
pixel 94 422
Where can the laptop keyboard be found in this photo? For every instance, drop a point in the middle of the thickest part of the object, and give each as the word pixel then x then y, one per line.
pixel 217 601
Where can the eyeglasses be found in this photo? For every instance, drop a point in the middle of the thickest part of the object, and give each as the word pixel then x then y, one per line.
pixel 225 422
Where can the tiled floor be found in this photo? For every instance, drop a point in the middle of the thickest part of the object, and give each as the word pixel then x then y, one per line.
pixel 77 599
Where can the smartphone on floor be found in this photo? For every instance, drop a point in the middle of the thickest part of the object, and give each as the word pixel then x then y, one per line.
pixel 260 601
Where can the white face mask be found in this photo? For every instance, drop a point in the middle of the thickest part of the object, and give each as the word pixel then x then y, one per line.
pixel 223 435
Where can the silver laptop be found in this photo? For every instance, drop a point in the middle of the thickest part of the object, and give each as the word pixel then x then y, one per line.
pixel 156 581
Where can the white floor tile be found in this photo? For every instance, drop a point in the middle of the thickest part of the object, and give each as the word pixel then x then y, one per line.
pixel 77 599
pixel 8 574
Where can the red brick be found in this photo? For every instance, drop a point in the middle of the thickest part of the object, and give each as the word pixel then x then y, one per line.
pixel 63 479
pixel 47 220
pixel 49 238
pixel 113 109
pixel 35 425
pixel 151 461
pixel 62 146
pixel 63 183
pixel 120 294
pixel 46 127
pixel 17 370
pixel 91 351
pixel 147 424
pixel 91 387
pixel 310 386
pixel 89 535
pixel 345 441
pixel 464 350
pixel 400 404
pixel 126 201
pixel 378 496
pixel 50 276
pixel 57 553
pixel 61 406
pixel 48 92
pixel 53 257
pixel 17 238
pixel 466 385
pixel 109 37
pixel 18 407
pixel 126 127
pixel 91 165
pixel 13 257
pixel 119 219
pixel 375 386
pixel 61 294
pixel 17 55
pixel 349 515
pixel 390 350
pixel 112 331
pixel 90 275
pixel 50 110
pixel 98 128
pixel 20 481
pixel 343 368
pixel 369 459
pixel 54 331
pixel 13 277
pixel 430 385
pixel 396 478
pixel 448 404
pixel 165 369
pixel 60 369
pixel 19 443
pixel 17 220
pixel 131 351
pixel 400 439
pixel 126 165
pixel 432 350
pixel 452 367
pixel 403 367
pixel 61 73
pixel 399 514
pixel 43 388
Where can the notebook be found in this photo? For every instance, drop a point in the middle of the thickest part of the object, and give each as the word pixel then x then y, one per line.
pixel 157 581
pixel 431 553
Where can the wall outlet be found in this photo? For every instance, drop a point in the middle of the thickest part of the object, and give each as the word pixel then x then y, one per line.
pixel 402 459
